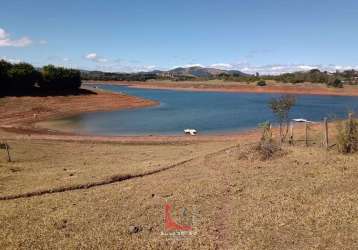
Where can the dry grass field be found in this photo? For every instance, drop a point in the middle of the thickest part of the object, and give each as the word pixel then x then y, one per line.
pixel 304 199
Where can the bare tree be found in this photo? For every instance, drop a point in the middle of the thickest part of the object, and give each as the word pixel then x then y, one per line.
pixel 281 107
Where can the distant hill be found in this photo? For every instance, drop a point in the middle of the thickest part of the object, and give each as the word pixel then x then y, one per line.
pixel 198 72
pixel 203 74
pixel 180 73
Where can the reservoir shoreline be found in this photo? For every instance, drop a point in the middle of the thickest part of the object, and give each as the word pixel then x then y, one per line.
pixel 23 123
pixel 297 89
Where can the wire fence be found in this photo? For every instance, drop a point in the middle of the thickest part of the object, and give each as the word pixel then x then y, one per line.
pixel 322 134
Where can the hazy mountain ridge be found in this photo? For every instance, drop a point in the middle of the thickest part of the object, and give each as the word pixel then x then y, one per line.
pixel 176 73
pixel 198 72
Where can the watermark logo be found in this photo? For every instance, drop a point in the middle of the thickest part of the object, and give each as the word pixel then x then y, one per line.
pixel 171 225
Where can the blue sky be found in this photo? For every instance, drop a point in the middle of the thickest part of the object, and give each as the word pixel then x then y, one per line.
pixel 113 35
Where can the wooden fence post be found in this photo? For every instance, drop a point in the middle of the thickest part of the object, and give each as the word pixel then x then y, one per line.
pixel 270 130
pixel 280 135
pixel 8 152
pixel 325 133
pixel 291 133
pixel 350 117
pixel 306 134
pixel 6 147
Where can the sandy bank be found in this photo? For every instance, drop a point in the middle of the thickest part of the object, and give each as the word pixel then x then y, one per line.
pixel 23 112
pixel 305 89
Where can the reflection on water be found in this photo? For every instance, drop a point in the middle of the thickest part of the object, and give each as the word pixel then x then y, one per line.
pixel 208 112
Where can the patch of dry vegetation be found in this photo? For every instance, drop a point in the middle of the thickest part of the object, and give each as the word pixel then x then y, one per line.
pixel 52 165
pixel 347 135
pixel 266 149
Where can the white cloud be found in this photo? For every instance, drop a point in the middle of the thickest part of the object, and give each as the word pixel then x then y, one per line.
pixel 117 65
pixel 305 67
pixel 95 58
pixel 127 68
pixel 10 60
pixel 91 56
pixel 6 41
pixel 273 69
pixel 226 66
pixel 189 65
pixel 43 42
pixel 193 65
pixel 149 67
pixel 289 68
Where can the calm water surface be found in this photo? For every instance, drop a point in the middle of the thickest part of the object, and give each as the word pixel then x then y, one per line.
pixel 208 112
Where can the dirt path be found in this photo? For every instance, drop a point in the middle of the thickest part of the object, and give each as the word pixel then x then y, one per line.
pixel 107 181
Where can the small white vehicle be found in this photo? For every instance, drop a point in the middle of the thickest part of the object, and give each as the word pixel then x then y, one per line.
pixel 301 120
pixel 190 131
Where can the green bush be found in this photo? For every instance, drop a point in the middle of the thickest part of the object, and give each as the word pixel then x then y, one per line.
pixel 266 132
pixel 261 83
pixel 335 83
pixel 347 136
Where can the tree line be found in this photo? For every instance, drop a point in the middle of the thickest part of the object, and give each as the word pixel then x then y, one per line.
pixel 336 79
pixel 24 78
pixel 109 76
pixel 313 76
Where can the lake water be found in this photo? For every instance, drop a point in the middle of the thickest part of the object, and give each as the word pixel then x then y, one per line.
pixel 208 112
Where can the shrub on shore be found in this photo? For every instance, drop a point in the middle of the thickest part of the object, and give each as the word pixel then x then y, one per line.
pixel 336 83
pixel 347 135
pixel 261 83
pixel 267 147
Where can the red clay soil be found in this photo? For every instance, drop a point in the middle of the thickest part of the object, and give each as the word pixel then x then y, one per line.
pixel 313 89
pixel 23 111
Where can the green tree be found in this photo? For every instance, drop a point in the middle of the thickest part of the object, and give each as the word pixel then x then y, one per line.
pixel 4 74
pixel 59 78
pixel 23 76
